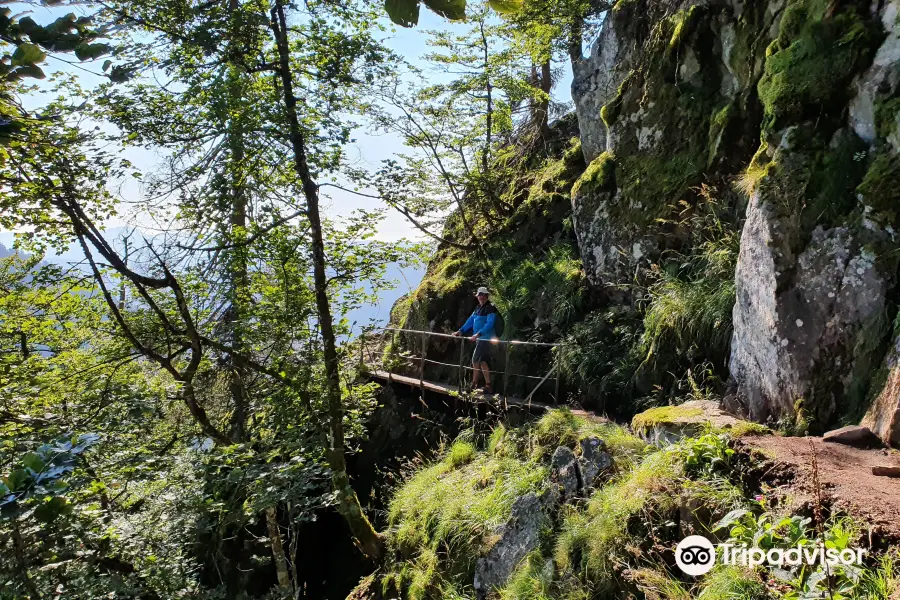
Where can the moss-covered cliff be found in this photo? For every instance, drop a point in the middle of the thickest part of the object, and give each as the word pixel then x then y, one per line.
pixel 731 230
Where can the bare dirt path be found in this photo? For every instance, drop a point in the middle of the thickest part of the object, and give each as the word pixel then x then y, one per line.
pixel 845 474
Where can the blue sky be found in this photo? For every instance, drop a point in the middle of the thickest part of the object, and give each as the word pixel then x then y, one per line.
pixel 367 149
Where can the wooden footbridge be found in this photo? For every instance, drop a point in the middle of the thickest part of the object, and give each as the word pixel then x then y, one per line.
pixel 382 361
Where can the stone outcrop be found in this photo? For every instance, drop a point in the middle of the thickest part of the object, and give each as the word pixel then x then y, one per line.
pixel 570 477
pixel 564 473
pixel 515 539
pixel 797 316
pixel 685 91
pixel 594 460
pixel 853 435
pixel 883 416
pixel 669 424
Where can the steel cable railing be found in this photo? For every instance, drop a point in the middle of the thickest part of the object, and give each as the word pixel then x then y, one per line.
pixel 461 367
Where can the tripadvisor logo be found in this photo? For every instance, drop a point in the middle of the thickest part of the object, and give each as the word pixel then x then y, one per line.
pixel 696 555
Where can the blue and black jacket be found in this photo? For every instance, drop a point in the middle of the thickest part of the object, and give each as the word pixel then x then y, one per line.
pixel 481 322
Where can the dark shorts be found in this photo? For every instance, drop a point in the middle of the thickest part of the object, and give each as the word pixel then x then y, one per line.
pixel 482 353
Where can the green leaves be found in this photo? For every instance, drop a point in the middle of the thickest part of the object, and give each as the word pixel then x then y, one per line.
pixel 455 10
pixel 27 54
pixel 406 12
pixel 91 51
pixel 506 7
pixel 403 12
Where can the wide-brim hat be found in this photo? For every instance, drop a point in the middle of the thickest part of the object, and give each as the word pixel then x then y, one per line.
pixel 482 290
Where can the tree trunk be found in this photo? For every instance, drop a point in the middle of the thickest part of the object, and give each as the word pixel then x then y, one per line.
pixel 281 566
pixel 239 283
pixel 237 261
pixel 367 539
pixel 489 109
pixel 544 108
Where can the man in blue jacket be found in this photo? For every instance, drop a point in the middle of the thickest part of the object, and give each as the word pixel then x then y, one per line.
pixel 481 326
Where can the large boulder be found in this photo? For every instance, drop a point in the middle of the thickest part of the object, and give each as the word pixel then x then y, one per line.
pixel 797 317
pixel 515 539
pixel 883 416
pixel 655 100
pixel 668 424
pixel 818 252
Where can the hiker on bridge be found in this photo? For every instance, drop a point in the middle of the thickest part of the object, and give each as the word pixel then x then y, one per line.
pixel 481 327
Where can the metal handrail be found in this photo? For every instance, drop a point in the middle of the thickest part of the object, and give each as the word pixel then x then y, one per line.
pixel 463 368
pixel 492 340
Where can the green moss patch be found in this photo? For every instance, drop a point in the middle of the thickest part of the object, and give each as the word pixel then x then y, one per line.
pixel 662 415
pixel 880 188
pixel 563 428
pixel 600 175
pixel 444 516
pixel 810 63
pixel 886 116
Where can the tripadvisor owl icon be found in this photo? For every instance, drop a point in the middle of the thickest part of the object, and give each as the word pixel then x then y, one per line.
pixel 695 555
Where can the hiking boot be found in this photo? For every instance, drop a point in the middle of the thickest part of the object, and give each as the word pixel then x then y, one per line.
pixel 486 390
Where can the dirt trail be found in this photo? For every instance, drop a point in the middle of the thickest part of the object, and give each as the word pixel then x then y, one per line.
pixel 845 474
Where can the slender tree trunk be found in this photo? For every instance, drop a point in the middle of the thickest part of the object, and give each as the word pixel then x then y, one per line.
pixel 544 108
pixel 489 111
pixel 239 282
pixel 368 540
pixel 281 566
pixel 237 265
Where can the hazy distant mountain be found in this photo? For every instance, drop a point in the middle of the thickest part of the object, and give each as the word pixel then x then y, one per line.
pixel 408 279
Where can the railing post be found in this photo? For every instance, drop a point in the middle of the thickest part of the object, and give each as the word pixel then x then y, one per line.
pixel 422 364
pixel 509 348
pixel 393 355
pixel 460 374
pixel 556 359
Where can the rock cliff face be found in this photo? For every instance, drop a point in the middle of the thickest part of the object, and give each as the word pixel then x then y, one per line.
pixel 795 104
pixel 737 179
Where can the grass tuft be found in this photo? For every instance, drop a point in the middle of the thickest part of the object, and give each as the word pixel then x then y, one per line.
pixel 594 540
pixel 731 583
pixel 563 428
pixel 453 506
pixel 657 585
pixel 460 453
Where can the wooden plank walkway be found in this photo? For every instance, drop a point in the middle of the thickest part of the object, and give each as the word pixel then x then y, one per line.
pixel 451 390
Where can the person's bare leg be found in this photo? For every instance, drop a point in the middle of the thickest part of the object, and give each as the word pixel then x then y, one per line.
pixel 475 372
pixel 487 374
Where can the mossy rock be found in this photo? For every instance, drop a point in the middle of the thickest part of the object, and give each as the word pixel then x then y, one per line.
pixel 814 57
pixel 668 424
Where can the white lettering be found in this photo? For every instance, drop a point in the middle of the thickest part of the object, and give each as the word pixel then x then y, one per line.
pixel 755 557
pixel 775 556
pixel 793 557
